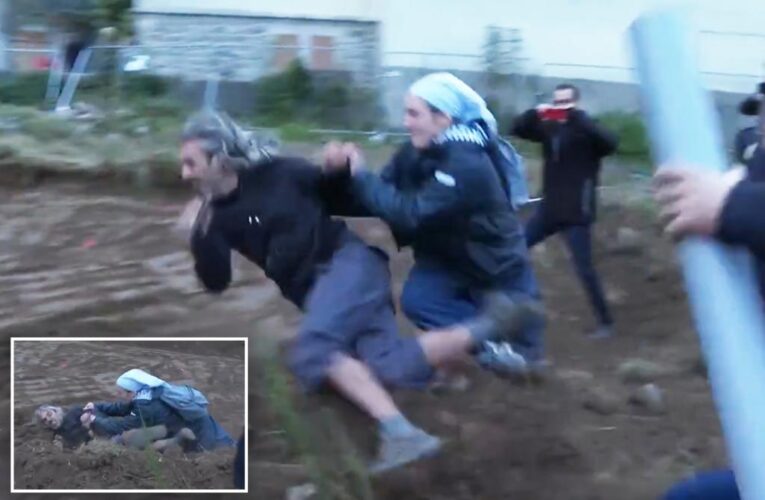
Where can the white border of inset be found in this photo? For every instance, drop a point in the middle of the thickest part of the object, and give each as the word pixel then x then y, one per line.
pixel 135 339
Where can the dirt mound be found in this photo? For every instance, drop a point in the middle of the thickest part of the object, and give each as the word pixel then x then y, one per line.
pixel 42 464
pixel 541 441
pixel 504 441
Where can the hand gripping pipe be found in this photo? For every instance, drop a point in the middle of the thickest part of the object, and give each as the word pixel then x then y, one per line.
pixel 720 281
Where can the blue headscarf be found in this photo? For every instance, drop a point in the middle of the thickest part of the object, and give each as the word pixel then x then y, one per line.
pixel 452 96
pixel 139 382
pixel 473 123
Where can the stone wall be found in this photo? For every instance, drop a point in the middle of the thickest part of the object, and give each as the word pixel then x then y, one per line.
pixel 245 48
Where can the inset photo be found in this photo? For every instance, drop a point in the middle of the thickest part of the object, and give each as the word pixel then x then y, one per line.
pixel 127 414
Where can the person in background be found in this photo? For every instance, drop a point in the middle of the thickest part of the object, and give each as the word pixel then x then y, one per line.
pixel 748 139
pixel 573 146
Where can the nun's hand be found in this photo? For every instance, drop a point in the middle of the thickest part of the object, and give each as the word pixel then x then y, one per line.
pixel 89 407
pixel 691 201
pixel 86 419
pixel 355 157
pixel 334 156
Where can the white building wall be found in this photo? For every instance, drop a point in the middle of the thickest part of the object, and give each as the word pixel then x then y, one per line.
pixel 561 38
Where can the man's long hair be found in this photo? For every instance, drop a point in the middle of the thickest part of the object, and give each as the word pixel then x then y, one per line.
pixel 222 138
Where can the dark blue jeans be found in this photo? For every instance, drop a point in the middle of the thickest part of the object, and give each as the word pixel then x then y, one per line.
pixel 716 485
pixel 578 239
pixel 435 297
pixel 239 472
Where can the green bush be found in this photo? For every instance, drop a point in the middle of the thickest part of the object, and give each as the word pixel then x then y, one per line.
pixel 47 128
pixel 160 107
pixel 633 140
pixel 144 85
pixel 27 89
pixel 295 96
pixel 296 132
pixel 284 97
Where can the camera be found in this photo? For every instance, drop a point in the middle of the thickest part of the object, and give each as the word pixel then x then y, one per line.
pixel 554 114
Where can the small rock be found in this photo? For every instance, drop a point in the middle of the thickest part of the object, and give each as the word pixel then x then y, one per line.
pixel 615 296
pixel 655 272
pixel 543 256
pixel 576 377
pixel 302 492
pixel 448 419
pixel 141 130
pixel 600 401
pixel 639 371
pixel 628 241
pixel 604 477
pixel 650 397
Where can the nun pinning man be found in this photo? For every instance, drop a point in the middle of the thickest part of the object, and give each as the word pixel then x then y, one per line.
pixel 146 401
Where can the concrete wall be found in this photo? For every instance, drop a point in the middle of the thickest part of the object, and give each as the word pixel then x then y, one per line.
pixel 242 47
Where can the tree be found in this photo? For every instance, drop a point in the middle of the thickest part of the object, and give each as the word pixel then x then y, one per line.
pixel 502 52
pixel 85 15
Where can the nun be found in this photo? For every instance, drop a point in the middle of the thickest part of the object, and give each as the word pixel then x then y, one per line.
pixel 145 402
pixel 445 195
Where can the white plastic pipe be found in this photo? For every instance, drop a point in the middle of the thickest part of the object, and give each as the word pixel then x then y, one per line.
pixel 721 284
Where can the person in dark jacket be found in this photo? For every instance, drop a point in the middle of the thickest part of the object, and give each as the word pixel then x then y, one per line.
pixel 276 212
pixel 573 145
pixel 729 208
pixel 444 196
pixel 747 141
pixel 66 424
pixel 142 407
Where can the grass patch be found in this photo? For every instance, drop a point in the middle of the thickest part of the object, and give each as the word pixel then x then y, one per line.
pixel 321 444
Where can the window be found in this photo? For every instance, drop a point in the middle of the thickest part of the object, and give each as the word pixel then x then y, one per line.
pixel 285 50
pixel 322 48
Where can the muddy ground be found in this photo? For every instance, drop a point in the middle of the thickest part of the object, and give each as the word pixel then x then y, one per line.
pixel 74 373
pixel 82 261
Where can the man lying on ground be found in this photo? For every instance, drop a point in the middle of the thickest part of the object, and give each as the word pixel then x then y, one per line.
pixel 66 426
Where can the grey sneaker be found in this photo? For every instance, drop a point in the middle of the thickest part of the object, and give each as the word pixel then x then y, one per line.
pixel 398 451
pixel 500 358
pixel 509 316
